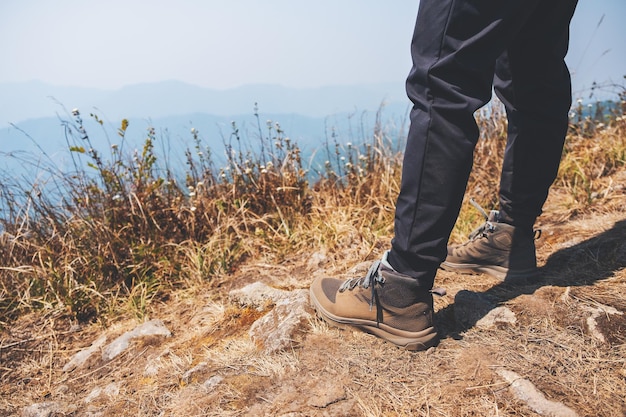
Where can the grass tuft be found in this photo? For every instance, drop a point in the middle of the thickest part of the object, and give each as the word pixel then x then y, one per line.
pixel 120 230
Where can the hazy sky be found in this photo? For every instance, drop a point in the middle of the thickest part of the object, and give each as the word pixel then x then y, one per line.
pixel 227 43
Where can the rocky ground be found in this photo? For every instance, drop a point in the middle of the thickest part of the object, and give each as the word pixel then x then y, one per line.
pixel 249 345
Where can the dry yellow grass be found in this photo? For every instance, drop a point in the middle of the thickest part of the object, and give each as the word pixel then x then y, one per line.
pixel 328 371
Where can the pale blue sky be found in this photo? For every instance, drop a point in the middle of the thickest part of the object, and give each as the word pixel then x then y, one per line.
pixel 227 43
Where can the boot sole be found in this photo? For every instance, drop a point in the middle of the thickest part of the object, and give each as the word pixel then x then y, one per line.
pixel 413 341
pixel 500 272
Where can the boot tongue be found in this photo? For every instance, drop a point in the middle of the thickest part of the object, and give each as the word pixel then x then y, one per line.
pixel 384 262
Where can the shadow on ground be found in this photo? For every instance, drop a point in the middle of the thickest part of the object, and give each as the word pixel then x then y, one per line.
pixel 583 264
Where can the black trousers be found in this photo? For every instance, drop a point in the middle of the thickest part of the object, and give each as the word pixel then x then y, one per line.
pixel 463 50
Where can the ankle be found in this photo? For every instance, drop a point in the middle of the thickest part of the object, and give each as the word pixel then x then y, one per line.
pixel 397 265
pixel 521 224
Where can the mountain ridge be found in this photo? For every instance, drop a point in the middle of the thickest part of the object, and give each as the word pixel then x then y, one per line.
pixel 34 99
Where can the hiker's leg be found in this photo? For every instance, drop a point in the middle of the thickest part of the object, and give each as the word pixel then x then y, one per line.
pixel 533 82
pixel 454 50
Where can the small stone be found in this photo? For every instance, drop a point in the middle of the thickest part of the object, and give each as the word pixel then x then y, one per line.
pixel 153 364
pixel 592 320
pixel 275 330
pixel 256 295
pixel 212 382
pixel 499 315
pixel 81 357
pixel 151 369
pixel 46 409
pixel 111 391
pixel 95 393
pixel 525 391
pixel 149 328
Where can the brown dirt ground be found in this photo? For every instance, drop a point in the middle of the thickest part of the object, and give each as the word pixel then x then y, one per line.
pixel 332 372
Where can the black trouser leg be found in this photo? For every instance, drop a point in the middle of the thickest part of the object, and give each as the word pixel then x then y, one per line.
pixel 533 82
pixel 455 47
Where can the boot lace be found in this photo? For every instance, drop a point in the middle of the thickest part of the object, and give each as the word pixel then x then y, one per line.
pixel 485 228
pixel 489 227
pixel 368 281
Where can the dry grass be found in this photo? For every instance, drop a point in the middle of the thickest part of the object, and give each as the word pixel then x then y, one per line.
pixel 76 270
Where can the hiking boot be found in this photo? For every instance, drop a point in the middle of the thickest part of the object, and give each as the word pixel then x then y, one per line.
pixel 384 303
pixel 498 249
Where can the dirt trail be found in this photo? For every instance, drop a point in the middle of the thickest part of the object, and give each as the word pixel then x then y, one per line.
pixel 565 335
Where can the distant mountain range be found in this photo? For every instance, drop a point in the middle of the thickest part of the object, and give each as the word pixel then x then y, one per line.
pixel 32 115
pixel 28 100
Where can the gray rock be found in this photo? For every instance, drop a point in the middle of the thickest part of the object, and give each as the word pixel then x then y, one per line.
pixel 46 409
pixel 276 329
pixel 499 315
pixel 110 391
pixel 154 364
pixel 592 321
pixel 119 345
pixel 525 391
pixel 81 357
pixel 257 295
pixel 212 382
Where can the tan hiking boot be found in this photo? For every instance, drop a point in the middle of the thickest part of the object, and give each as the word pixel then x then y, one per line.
pixel 497 249
pixel 385 303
